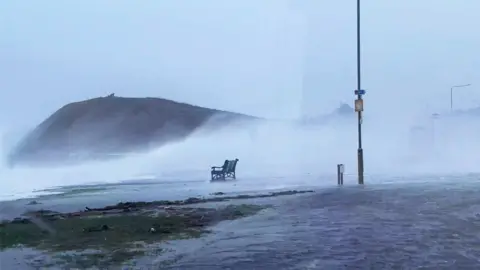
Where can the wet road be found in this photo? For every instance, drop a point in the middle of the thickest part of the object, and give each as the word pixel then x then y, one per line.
pixel 383 226
pixel 392 227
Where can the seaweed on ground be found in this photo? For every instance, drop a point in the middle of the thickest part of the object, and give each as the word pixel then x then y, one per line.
pixel 115 234
pixel 114 237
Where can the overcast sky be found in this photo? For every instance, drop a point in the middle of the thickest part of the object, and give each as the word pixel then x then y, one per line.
pixel 273 58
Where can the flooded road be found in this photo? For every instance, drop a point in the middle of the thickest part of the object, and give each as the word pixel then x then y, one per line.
pixel 384 226
pixel 416 227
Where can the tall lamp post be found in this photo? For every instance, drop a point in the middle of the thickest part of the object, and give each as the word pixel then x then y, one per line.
pixel 359 102
pixel 451 94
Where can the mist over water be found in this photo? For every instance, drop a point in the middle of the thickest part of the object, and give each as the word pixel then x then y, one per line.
pixel 272 154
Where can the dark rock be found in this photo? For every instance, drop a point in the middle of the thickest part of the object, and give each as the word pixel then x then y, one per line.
pixel 20 221
pixel 33 203
pixel 193 200
pixel 97 229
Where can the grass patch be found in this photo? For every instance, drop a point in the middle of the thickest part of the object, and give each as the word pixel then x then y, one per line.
pixel 114 234
pixel 117 237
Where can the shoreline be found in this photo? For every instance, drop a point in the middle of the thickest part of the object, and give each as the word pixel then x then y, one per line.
pixel 135 229
pixel 76 198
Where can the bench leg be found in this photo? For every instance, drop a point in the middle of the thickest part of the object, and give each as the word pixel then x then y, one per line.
pixel 218 176
pixel 222 176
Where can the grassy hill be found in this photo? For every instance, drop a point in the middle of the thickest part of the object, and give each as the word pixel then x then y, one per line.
pixel 113 124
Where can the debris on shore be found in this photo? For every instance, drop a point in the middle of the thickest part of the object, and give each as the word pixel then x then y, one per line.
pixel 115 234
pixel 129 206
pixel 112 233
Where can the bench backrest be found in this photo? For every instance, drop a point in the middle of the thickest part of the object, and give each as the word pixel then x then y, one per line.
pixel 232 164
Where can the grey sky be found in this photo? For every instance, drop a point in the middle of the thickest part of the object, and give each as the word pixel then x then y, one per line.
pixel 251 56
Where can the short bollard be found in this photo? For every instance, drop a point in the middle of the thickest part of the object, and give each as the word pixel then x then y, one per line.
pixel 340 171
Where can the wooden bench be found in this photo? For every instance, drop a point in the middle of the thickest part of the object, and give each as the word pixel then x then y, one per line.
pixel 225 171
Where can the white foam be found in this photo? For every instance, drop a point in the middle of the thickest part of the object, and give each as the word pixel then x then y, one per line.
pixel 271 155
